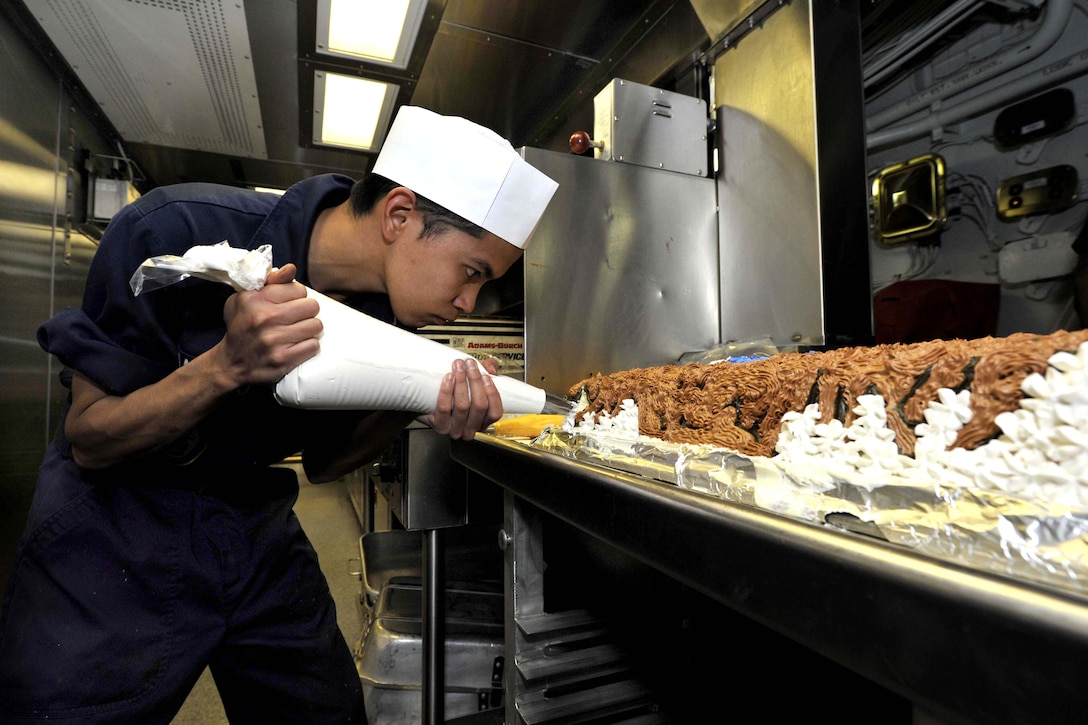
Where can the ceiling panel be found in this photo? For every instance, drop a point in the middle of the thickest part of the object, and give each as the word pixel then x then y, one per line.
pixel 169 72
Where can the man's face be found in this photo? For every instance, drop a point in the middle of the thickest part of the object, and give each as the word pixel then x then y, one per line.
pixel 435 279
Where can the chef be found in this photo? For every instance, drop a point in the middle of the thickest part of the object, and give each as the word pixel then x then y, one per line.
pixel 161 539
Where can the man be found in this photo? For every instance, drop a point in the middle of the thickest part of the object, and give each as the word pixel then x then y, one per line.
pixel 159 540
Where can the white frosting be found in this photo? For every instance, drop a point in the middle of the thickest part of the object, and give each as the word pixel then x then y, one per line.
pixel 623 426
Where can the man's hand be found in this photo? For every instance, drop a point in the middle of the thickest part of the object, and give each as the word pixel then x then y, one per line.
pixel 270 331
pixel 468 401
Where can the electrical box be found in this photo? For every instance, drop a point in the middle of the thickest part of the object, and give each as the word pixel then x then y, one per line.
pixel 1040 191
pixel 109 196
pixel 647 126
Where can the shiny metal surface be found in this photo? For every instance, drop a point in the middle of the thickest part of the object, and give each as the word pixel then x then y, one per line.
pixel 555 405
pixel 621 272
pixel 424 488
pixel 43 261
pixel 433 632
pixel 550 642
pixel 640 124
pixel 792 190
pixel 393 654
pixel 966 646
pixel 767 187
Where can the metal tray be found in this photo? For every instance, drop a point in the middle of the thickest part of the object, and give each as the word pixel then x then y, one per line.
pixel 390 660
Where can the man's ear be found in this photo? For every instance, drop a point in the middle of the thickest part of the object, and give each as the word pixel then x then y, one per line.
pixel 396 212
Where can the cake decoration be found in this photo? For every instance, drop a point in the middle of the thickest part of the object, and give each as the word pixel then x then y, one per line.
pixel 994 477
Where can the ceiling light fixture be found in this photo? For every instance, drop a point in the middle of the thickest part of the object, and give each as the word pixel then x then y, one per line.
pixel 351 112
pixel 375 31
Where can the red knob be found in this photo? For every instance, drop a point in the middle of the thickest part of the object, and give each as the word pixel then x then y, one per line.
pixel 580 142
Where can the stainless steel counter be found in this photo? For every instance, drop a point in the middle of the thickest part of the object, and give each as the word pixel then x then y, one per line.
pixel 961 644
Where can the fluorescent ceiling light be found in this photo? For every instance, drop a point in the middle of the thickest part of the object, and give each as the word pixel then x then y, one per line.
pixel 375 31
pixel 351 112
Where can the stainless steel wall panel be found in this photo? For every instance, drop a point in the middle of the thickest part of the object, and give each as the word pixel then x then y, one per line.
pixel 767 196
pixel 767 186
pixel 622 271
pixel 43 260
pixel 791 188
pixel 30 106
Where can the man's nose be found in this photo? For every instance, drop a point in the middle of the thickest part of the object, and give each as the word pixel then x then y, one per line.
pixel 466 301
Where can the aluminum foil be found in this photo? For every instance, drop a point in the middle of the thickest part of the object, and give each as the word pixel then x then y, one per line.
pixel 1032 541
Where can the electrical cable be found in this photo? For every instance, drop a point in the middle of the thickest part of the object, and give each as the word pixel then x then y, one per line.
pixel 1051 27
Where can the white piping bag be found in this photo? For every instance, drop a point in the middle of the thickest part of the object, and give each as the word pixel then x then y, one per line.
pixel 366 364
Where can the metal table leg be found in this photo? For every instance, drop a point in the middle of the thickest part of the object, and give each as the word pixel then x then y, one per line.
pixel 434 578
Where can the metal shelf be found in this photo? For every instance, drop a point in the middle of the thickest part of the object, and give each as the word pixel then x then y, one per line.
pixel 961 644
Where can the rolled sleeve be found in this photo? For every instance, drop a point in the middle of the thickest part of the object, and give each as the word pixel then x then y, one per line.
pixel 81 345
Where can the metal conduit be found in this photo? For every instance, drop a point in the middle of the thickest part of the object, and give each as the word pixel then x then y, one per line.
pixel 1053 25
pixel 1054 73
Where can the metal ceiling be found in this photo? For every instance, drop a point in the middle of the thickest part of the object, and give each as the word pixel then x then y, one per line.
pixel 218 90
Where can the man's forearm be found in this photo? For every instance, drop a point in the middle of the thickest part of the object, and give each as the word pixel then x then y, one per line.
pixel 106 429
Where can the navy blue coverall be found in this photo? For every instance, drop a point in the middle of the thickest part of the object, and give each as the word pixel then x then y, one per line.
pixel 129 581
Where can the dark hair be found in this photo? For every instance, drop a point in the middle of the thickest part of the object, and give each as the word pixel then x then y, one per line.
pixel 373 188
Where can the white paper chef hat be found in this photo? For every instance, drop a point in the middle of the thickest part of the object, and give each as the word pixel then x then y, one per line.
pixel 468 169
